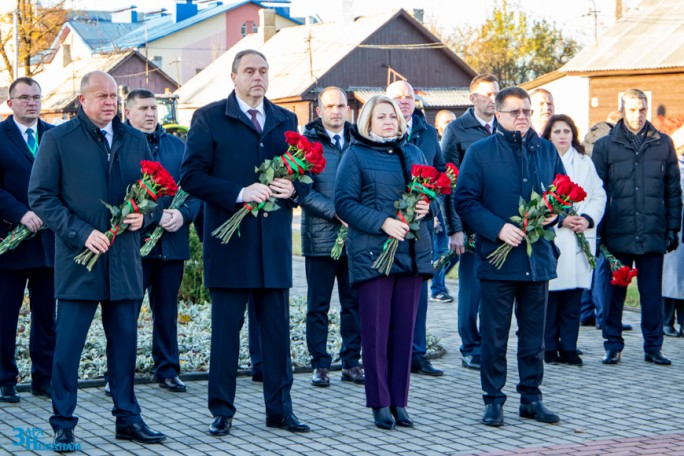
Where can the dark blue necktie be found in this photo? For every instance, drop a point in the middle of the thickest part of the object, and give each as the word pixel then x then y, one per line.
pixel 31 141
pixel 336 141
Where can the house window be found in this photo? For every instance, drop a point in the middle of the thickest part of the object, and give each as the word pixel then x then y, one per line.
pixel 246 26
pixel 157 61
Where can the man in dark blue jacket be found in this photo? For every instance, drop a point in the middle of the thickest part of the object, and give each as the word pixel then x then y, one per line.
pixel 639 169
pixel 163 266
pixel 228 139
pixel 320 225
pixel 475 124
pixel 90 159
pixel 423 135
pixel 32 261
pixel 496 173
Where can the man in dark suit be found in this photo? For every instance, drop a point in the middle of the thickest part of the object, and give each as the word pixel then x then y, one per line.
pixel 320 225
pixel 423 135
pixel 227 140
pixel 90 159
pixel 163 266
pixel 32 261
pixel 475 124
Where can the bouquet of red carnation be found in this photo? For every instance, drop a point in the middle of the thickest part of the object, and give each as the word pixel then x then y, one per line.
pixel 426 185
pixel 444 260
pixel 622 275
pixel 16 236
pixel 558 197
pixel 302 156
pixel 151 241
pixel 141 197
pixel 584 245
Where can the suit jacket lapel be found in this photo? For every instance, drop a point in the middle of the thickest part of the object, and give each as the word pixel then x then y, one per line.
pixel 273 117
pixel 14 135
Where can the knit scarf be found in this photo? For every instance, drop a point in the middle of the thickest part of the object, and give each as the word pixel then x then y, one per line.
pixel 636 140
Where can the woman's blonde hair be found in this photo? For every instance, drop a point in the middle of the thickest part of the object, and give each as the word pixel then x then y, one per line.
pixel 364 121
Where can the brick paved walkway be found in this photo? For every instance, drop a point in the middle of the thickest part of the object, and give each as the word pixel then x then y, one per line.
pixel 631 408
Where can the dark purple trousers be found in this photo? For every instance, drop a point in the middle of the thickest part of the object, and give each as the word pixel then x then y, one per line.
pixel 387 308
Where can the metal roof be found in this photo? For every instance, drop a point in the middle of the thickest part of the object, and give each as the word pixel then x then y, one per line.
pixel 289 52
pixel 648 37
pixel 429 97
pixel 101 34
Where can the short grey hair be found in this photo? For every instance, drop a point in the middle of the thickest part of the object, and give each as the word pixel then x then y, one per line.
pixel 241 54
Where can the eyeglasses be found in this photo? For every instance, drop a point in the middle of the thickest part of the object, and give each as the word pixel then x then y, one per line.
pixel 517 112
pixel 27 98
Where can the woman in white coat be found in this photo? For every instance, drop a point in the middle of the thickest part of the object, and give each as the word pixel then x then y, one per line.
pixel 673 280
pixel 574 272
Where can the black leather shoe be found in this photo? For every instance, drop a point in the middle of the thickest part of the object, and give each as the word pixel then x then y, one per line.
pixel 258 377
pixel 538 412
pixel 354 375
pixel 401 416
pixel 657 358
pixel 591 321
pixel 421 365
pixel 321 377
pixel 471 362
pixel 670 331
pixel 173 384
pixel 289 423
pixel 626 327
pixel 139 432
pixel 551 357
pixel 611 357
pixel 493 415
pixel 383 418
pixel 221 425
pixel 9 394
pixel 64 441
pixel 42 391
pixel 570 358
pixel 107 390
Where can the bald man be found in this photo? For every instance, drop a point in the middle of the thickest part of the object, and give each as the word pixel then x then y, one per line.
pixel 442 119
pixel 424 136
pixel 79 164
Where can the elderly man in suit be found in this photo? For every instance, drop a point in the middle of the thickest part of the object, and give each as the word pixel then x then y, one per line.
pixel 423 135
pixel 227 140
pixel 90 159
pixel 32 261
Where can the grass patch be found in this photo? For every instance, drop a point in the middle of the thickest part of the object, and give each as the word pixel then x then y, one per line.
pixel 296 243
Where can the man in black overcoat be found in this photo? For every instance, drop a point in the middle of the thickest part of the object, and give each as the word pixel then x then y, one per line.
pixel 32 261
pixel 90 159
pixel 227 140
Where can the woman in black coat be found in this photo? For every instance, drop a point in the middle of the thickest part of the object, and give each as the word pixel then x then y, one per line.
pixel 372 175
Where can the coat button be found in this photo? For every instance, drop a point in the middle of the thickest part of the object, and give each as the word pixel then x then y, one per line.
pixel 265 214
pixel 261 144
pixel 524 179
pixel 72 234
pixel 527 273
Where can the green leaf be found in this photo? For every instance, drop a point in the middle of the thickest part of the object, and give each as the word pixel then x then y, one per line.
pixel 533 236
pixel 549 235
pixel 112 209
pixel 528 247
pixel 305 179
pixel 516 219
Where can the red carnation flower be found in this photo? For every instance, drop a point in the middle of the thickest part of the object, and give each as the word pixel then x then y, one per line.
pixel 563 184
pixel 292 137
pixel 443 184
pixel 623 276
pixel 577 194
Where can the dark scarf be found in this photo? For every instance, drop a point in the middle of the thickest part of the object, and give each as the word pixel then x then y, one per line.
pixel 636 140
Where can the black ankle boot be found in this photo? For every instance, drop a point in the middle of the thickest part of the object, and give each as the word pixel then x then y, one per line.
pixel 401 415
pixel 383 418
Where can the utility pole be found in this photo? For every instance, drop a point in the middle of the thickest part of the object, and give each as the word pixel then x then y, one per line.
pixel 594 12
pixel 177 62
pixel 308 42
pixel 16 40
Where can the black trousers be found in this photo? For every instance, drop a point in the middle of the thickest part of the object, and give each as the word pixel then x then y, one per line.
pixel 649 280
pixel 272 313
pixel 496 309
pixel 162 279
pixel 119 319
pixel 42 341
pixel 563 320
pixel 670 307
pixel 321 273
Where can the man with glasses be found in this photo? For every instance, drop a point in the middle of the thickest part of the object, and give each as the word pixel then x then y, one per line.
pixel 475 124
pixel 32 261
pixel 496 174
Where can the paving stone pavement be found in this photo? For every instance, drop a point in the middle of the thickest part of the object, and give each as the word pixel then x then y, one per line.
pixel 631 408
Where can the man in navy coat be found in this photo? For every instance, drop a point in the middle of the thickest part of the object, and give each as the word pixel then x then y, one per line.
pixel 90 159
pixel 423 135
pixel 497 172
pixel 33 259
pixel 163 266
pixel 227 140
